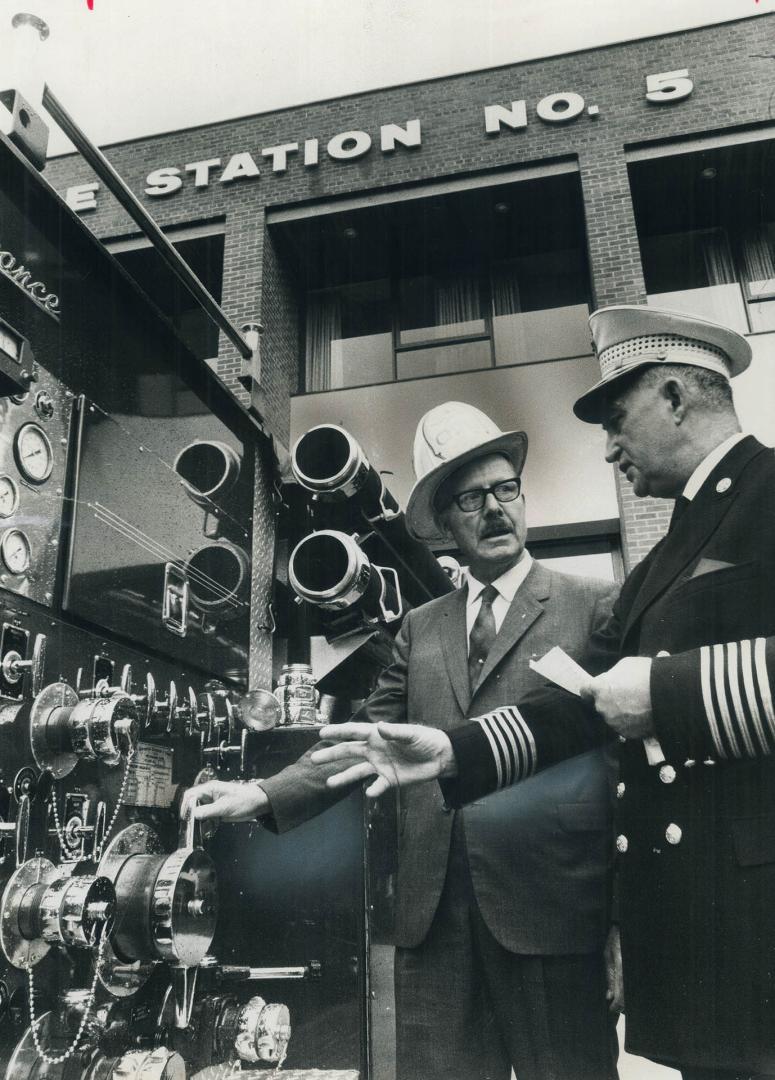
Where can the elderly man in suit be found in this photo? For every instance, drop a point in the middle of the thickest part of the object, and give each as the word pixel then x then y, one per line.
pixel 502 908
pixel 687 676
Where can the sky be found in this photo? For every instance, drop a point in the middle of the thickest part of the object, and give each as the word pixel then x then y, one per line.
pixel 129 68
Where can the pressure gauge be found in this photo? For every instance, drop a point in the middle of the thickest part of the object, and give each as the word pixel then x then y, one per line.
pixel 9 497
pixel 33 453
pixel 15 550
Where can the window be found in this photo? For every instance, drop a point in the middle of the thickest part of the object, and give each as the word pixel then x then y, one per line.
pixel 202 248
pixel 349 340
pixel 163 393
pixel 706 223
pixel 430 286
pixel 599 558
pixel 588 549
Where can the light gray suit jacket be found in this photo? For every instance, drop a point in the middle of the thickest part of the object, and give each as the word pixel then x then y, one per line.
pixel 539 852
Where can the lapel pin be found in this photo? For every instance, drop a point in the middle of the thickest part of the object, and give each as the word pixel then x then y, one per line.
pixel 723 485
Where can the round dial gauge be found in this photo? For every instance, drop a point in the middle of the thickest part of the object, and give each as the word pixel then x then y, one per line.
pixel 9 497
pixel 33 453
pixel 15 550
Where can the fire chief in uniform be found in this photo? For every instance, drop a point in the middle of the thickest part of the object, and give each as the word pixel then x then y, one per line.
pixel 686 678
pixel 502 908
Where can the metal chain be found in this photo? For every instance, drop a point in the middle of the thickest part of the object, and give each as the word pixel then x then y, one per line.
pixel 119 803
pixel 65 851
pixel 63 848
pixel 48 1058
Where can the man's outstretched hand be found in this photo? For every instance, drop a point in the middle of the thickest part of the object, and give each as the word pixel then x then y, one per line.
pixel 399 754
pixel 226 800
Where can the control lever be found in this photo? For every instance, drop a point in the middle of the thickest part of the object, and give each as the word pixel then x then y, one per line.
pixel 166 709
pixel 204 719
pixel 236 973
pixel 183 980
pixel 103 687
pixel 185 714
pixel 13 665
pixel 223 751
pixel 187 831
pixel 145 703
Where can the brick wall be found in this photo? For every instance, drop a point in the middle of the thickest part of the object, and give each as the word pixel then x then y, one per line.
pixel 282 339
pixel 732 87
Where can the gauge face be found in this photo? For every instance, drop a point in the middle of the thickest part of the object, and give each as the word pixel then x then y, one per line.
pixel 15 550
pixel 9 497
pixel 33 453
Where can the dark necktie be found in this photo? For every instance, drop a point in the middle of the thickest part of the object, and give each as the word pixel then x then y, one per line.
pixel 482 636
pixel 679 508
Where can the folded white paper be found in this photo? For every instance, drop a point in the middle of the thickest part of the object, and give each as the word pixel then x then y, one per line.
pixel 559 668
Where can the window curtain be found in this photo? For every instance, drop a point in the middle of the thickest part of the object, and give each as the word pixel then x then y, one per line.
pixel 506 298
pixel 456 299
pixel 719 265
pixel 324 325
pixel 758 261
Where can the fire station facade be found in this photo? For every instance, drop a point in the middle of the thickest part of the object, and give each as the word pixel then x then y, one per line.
pixel 446 240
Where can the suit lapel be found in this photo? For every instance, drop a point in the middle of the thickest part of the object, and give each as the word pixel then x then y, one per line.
pixel 694 528
pixel 454 643
pixel 523 611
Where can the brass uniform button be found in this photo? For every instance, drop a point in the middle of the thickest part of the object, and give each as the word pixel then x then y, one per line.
pixel 673 834
pixel 667 774
pixel 620 789
pixel 622 843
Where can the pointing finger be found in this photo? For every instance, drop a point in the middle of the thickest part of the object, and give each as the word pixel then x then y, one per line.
pixel 342 732
pixel 339 753
pixel 396 732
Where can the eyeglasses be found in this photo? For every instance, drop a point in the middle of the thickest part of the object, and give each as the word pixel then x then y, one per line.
pixel 504 491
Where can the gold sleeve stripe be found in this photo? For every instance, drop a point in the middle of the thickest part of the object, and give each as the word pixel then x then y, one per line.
pixel 719 669
pixel 759 651
pixel 746 659
pixel 737 701
pixel 511 742
pixel 707 700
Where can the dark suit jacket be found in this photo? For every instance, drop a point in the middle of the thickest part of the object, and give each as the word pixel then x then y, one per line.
pixel 539 853
pixel 697 838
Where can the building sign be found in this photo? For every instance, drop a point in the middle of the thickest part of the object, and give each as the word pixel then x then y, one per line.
pixel 563 107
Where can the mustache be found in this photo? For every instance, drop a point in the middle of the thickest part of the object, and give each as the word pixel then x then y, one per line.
pixel 495 528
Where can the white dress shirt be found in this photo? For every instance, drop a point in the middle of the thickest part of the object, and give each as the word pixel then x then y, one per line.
pixel 507 585
pixel 708 464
